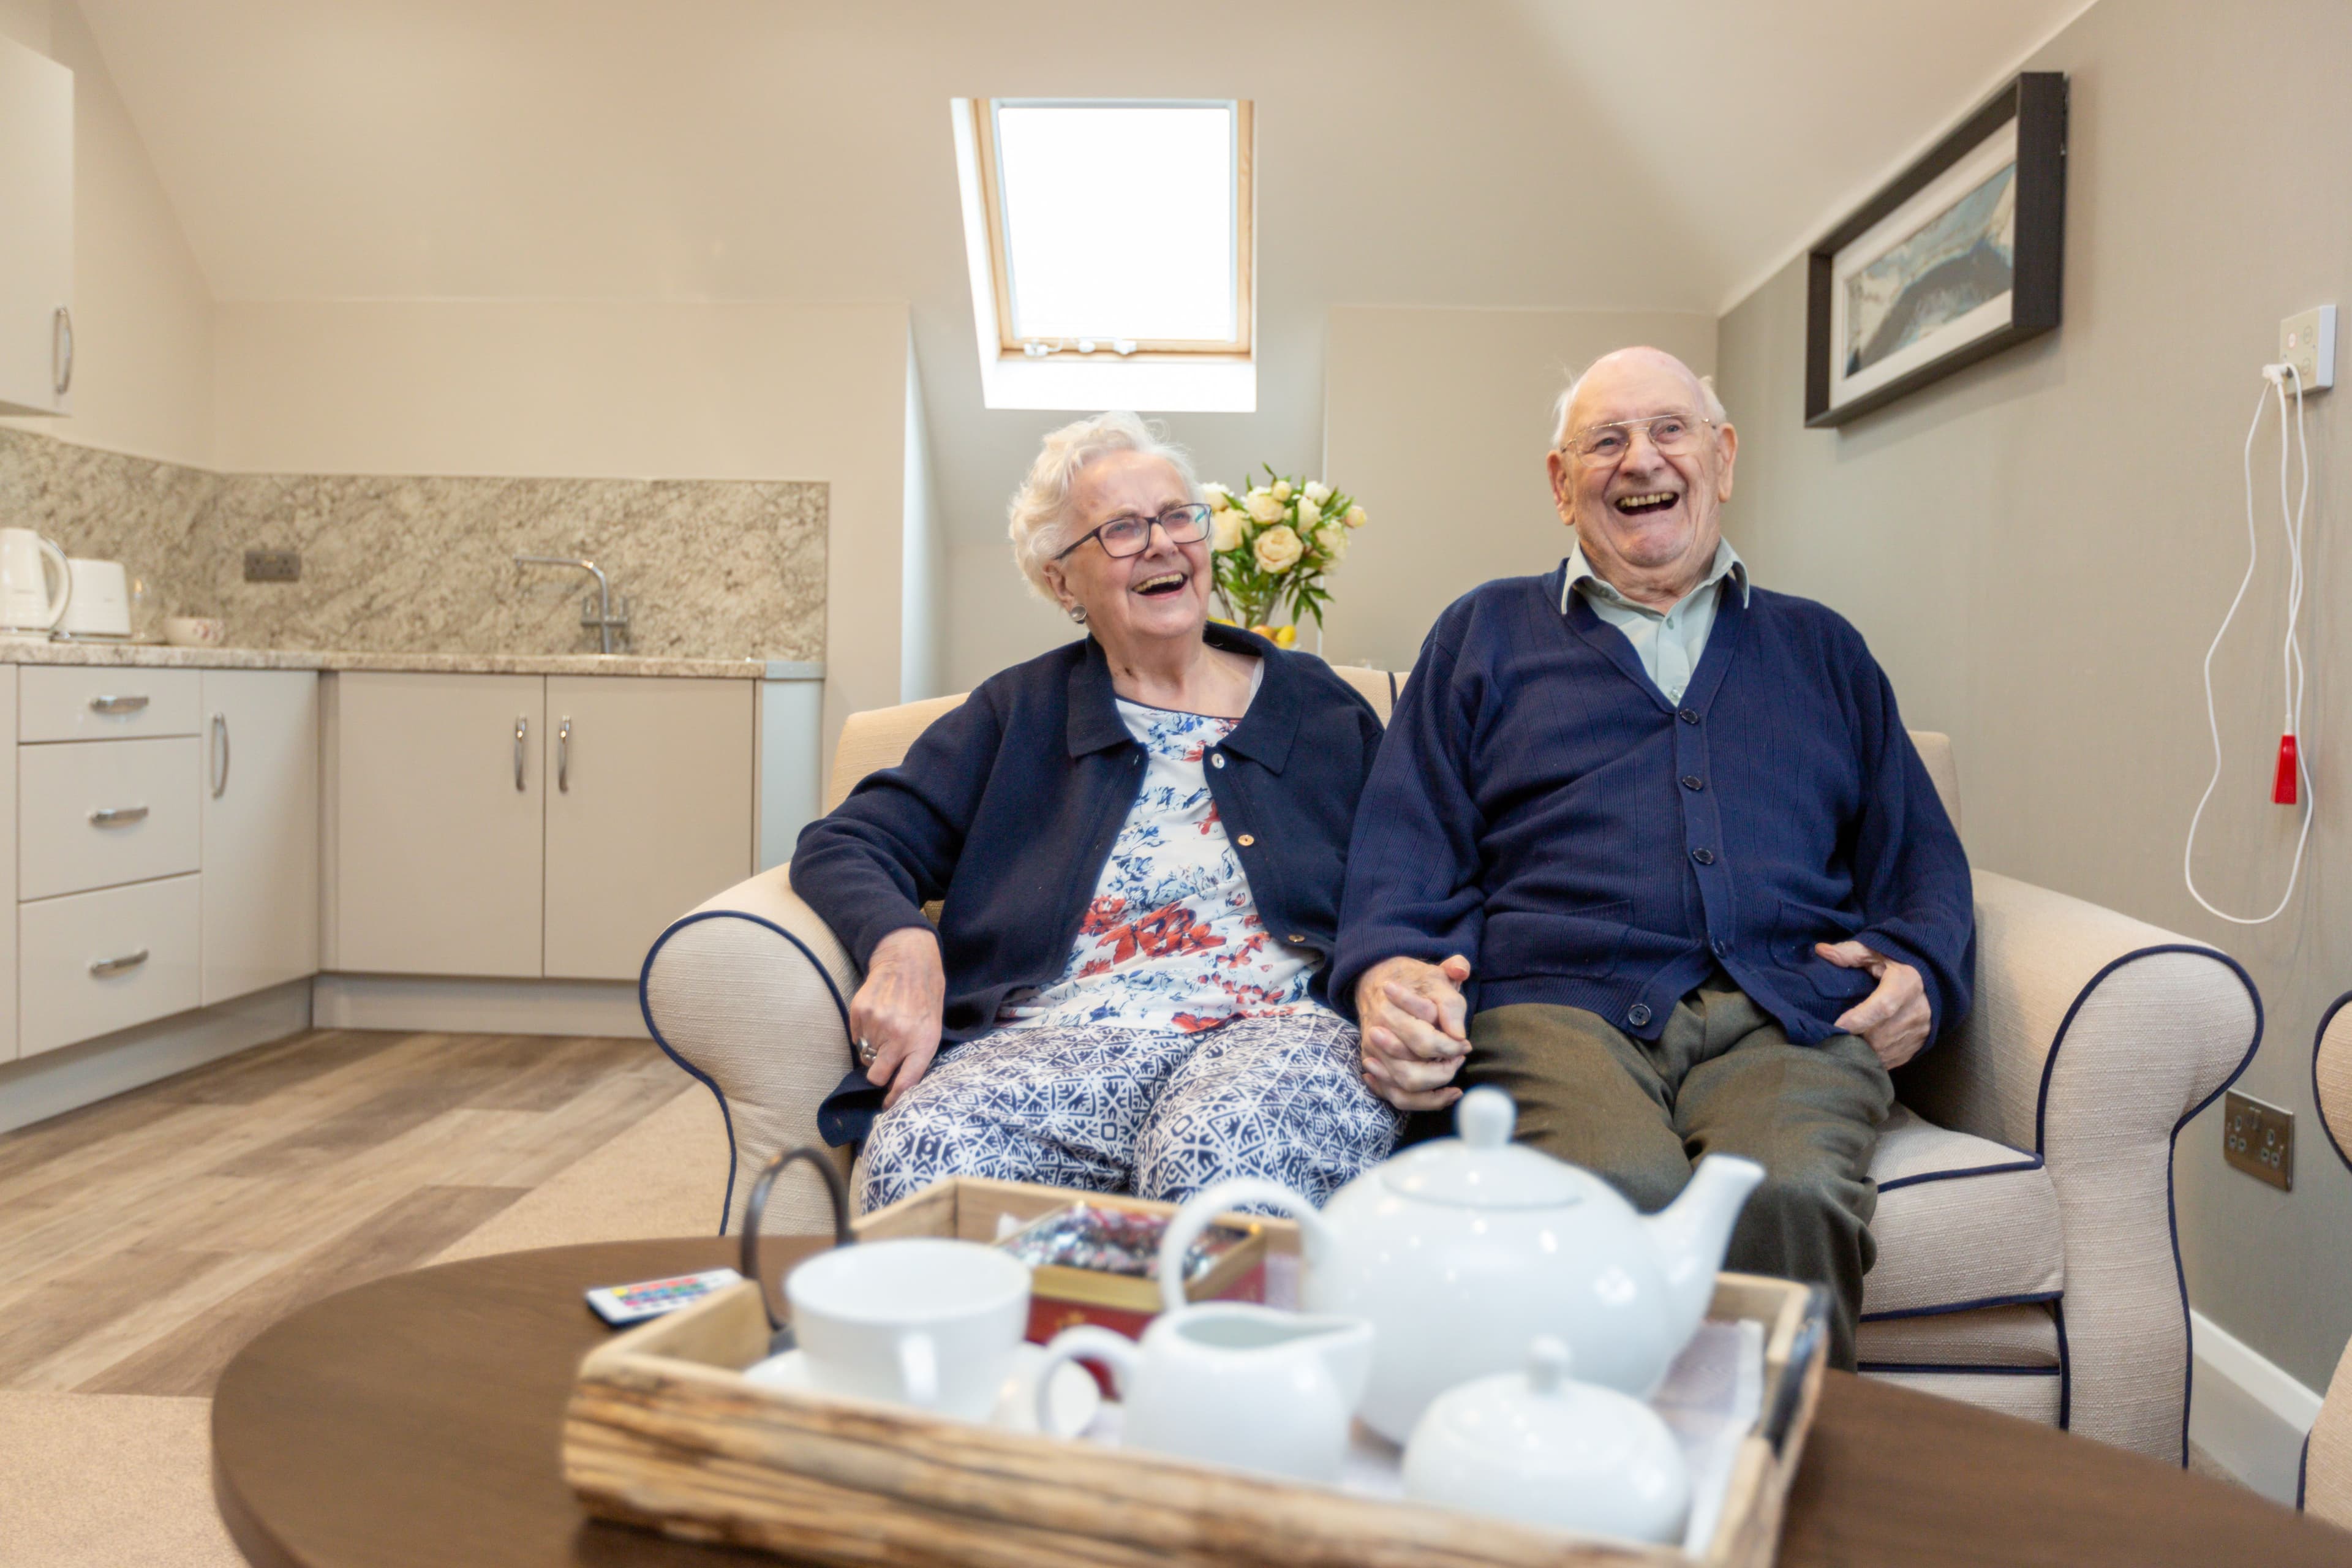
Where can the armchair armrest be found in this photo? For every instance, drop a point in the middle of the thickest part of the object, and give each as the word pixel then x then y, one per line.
pixel 2094 1040
pixel 749 992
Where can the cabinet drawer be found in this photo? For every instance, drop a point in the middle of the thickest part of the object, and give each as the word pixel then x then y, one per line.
pixel 62 702
pixel 79 814
pixel 96 963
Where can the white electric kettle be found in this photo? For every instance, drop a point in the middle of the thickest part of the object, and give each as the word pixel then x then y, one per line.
pixel 29 611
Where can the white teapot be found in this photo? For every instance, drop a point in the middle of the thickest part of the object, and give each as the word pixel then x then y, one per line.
pixel 1463 1250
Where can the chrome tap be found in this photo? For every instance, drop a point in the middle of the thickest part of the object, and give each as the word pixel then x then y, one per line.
pixel 598 611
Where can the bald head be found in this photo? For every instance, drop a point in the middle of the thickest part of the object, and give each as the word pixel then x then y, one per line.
pixel 1563 411
pixel 1646 500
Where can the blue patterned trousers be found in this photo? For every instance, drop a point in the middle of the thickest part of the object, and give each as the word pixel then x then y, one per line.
pixel 1160 1115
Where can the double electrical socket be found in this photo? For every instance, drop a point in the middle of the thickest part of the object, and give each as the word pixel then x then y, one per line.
pixel 2259 1140
pixel 2307 342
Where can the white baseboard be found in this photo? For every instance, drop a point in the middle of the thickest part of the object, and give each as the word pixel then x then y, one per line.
pixel 2246 1412
pixel 606 1007
pixel 38 1088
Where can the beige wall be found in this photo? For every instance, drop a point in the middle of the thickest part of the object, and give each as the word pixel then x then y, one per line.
pixel 617 389
pixel 2040 547
pixel 1439 421
pixel 142 315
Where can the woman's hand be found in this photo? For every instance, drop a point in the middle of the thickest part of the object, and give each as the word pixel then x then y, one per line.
pixel 897 1010
pixel 1415 1030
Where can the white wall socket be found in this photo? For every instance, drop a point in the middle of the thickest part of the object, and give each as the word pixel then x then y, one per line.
pixel 2307 342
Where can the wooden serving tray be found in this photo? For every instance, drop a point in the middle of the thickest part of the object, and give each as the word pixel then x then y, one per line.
pixel 663 1432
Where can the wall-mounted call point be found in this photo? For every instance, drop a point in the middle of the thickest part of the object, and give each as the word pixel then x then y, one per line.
pixel 2307 342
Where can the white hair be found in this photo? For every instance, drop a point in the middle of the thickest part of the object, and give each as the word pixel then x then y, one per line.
pixel 1040 512
pixel 1715 409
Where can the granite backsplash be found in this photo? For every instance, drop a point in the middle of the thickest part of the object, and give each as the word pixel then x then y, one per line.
pixel 711 568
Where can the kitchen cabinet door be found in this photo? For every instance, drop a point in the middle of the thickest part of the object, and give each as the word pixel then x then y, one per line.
pixel 36 252
pixel 260 830
pixel 648 812
pixel 436 800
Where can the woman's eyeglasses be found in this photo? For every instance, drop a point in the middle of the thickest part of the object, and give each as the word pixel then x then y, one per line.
pixel 1129 534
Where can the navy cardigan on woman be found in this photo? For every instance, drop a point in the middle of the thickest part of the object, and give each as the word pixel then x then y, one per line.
pixel 1007 808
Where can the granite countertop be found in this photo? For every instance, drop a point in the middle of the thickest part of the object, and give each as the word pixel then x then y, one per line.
pixel 153 655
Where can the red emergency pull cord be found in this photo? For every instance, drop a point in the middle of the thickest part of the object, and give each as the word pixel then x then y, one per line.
pixel 2283 782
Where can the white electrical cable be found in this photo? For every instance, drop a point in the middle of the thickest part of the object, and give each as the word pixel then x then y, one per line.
pixel 2291 655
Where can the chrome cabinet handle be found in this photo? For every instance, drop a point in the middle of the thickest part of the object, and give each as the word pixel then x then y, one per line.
pixel 220 747
pixel 564 756
pixel 117 816
pixel 130 704
pixel 117 965
pixel 522 727
pixel 61 350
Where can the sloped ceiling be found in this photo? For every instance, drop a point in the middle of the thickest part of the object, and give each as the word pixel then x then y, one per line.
pixel 1561 153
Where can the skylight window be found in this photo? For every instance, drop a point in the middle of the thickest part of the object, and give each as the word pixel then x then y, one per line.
pixel 1117 226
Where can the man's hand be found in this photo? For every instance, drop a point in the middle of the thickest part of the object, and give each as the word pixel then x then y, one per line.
pixel 1414 1030
pixel 898 1009
pixel 1894 1018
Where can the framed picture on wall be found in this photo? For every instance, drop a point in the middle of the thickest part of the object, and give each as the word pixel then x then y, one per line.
pixel 1956 257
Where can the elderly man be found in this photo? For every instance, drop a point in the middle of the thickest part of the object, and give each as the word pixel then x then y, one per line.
pixel 1648 848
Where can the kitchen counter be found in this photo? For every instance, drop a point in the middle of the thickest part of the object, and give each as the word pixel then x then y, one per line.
pixel 152 656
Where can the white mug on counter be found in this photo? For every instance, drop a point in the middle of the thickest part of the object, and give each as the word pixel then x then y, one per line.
pixel 920 1321
pixel 29 608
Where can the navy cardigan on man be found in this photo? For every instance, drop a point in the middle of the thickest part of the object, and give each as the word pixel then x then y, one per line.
pixel 1007 808
pixel 1540 807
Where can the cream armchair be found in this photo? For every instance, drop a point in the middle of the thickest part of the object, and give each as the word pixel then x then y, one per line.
pixel 2325 1489
pixel 2026 1257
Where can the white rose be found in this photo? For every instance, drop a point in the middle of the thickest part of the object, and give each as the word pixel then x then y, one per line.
pixel 1333 541
pixel 1355 518
pixel 1219 496
pixel 1224 531
pixel 1317 492
pixel 1282 489
pixel 1278 549
pixel 1263 506
pixel 1310 512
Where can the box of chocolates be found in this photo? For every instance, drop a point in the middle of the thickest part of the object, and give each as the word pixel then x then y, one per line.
pixel 1097 1261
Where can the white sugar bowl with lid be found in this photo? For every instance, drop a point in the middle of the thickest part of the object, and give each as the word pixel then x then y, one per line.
pixel 1461 1251
pixel 1544 1449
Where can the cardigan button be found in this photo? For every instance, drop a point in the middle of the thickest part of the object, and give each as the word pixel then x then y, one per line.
pixel 1246 839
pixel 1294 940
pixel 1216 759
pixel 1704 855
pixel 1637 1015
pixel 1688 715
pixel 1692 780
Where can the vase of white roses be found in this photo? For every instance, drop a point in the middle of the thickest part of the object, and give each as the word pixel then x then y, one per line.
pixel 1275 544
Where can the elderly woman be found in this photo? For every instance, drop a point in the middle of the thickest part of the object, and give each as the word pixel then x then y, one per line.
pixel 1140 840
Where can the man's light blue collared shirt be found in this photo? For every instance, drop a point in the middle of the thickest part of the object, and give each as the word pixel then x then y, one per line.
pixel 1669 644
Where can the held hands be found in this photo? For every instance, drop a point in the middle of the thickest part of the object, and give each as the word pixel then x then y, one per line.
pixel 1414 1030
pixel 899 1009
pixel 1893 1018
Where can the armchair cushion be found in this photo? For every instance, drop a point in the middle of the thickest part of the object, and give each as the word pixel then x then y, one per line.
pixel 1962 1223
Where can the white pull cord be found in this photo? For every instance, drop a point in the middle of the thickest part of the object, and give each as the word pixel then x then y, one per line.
pixel 2291 656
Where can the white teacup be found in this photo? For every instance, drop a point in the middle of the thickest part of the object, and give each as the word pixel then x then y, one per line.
pixel 917 1322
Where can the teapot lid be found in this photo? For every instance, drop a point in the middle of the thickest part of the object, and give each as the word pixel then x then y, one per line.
pixel 1481 1168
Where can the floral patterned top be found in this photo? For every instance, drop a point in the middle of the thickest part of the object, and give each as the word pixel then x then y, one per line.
pixel 1172 940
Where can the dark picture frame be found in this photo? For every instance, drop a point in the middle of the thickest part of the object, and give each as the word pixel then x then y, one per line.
pixel 1927 245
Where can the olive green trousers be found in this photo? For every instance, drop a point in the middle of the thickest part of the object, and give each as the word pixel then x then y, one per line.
pixel 1722 1079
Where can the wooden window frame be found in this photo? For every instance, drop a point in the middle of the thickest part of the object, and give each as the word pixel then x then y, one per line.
pixel 992 192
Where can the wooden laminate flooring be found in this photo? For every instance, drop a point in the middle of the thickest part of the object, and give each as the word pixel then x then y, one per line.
pixel 145 1238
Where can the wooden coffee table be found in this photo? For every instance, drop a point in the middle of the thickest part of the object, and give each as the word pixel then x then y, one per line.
pixel 414 1420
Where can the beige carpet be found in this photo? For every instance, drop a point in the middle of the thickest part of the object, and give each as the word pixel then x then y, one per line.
pixel 666 1176
pixel 108 1480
